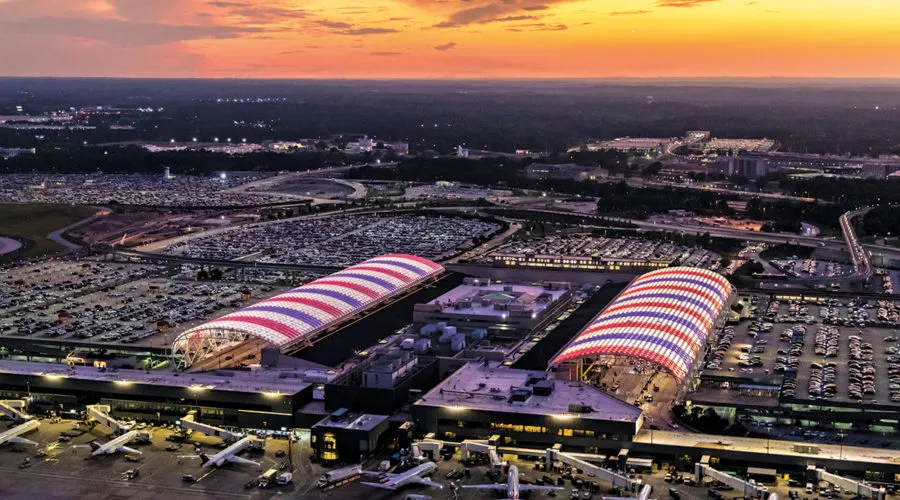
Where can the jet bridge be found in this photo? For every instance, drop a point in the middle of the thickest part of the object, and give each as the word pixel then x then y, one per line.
pixel 189 422
pixel 482 446
pixel 11 408
pixel 100 413
pixel 749 490
pixel 862 489
pixel 573 460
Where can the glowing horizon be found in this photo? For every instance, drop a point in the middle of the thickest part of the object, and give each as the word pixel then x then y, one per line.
pixel 450 38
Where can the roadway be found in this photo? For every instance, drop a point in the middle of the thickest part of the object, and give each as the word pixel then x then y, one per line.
pixel 761 446
pixel 862 265
pixel 720 232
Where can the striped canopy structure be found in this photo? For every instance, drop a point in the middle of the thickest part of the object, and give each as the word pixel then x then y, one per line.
pixel 303 312
pixel 664 317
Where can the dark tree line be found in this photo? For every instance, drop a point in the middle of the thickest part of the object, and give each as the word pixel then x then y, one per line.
pixel 136 160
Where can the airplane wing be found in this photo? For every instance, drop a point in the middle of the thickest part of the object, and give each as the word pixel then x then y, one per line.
pixel 495 486
pixel 535 487
pixel 21 440
pixel 385 486
pixel 239 460
pixel 128 450
pixel 427 482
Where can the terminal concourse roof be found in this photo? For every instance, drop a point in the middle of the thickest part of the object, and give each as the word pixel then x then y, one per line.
pixel 664 317
pixel 317 305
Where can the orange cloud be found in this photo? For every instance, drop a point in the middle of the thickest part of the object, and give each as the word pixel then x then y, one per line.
pixel 482 38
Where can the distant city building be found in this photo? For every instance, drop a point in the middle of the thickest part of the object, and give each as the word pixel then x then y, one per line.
pixel 643 145
pixel 753 165
pixel 367 144
pixel 6 153
pixel 697 135
pixel 748 166
pixel 540 171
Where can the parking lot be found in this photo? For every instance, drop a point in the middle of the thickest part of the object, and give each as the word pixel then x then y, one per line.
pixel 339 240
pixel 114 303
pixel 583 245
pixel 810 268
pixel 845 351
pixel 36 286
pixel 150 190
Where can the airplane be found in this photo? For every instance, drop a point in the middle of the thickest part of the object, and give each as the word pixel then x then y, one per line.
pixel 416 475
pixel 643 495
pixel 12 435
pixel 512 486
pixel 228 454
pixel 114 446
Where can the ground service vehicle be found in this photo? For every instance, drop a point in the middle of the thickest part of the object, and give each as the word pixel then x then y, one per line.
pixel 338 476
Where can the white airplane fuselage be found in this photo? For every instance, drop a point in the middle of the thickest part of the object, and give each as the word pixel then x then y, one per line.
pixel 223 456
pixel 512 483
pixel 416 472
pixel 114 445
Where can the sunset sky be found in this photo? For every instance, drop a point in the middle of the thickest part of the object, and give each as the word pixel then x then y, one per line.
pixel 450 38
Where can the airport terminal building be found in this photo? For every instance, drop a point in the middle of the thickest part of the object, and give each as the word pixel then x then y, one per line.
pixel 525 407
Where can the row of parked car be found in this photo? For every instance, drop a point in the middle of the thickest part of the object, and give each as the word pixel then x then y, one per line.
pixel 861 368
pixel 723 344
pixel 827 341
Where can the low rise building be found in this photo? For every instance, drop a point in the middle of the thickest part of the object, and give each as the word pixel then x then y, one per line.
pixel 347 437
pixel 480 303
pixel 568 171
pixel 525 407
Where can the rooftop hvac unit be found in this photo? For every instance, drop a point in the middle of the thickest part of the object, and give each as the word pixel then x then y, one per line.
pixel 519 394
pixel 579 408
pixel 544 388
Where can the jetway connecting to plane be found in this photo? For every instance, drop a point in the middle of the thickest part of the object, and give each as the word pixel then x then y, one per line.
pixel 482 446
pixel 702 469
pixel 189 422
pixel 578 461
pixel 485 446
pixel 11 408
pixel 862 489
pixel 553 455
pixel 100 413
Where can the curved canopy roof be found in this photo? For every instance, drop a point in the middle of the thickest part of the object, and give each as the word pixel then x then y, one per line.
pixel 663 316
pixel 294 315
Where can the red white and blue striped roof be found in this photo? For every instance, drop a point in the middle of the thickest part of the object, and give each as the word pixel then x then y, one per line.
pixel 317 305
pixel 664 316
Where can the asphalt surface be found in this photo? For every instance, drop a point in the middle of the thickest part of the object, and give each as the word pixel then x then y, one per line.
pixel 538 357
